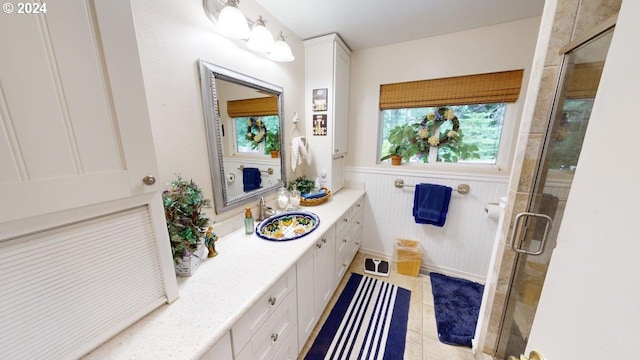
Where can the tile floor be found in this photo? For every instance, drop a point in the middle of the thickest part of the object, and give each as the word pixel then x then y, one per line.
pixel 422 336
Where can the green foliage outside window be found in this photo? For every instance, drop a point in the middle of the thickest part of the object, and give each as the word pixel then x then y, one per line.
pixel 244 145
pixel 478 139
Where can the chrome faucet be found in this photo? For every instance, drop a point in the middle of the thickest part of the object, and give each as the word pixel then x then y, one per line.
pixel 264 211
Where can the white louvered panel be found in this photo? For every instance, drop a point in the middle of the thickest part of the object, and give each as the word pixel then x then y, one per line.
pixel 462 247
pixel 66 290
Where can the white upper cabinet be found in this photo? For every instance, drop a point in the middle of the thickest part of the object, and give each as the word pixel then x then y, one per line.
pixel 327 69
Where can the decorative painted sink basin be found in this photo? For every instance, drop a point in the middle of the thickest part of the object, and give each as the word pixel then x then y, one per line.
pixel 287 226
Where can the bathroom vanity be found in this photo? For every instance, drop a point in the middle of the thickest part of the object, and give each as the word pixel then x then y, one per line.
pixel 256 299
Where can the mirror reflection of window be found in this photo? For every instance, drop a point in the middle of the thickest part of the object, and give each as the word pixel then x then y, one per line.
pixel 245 135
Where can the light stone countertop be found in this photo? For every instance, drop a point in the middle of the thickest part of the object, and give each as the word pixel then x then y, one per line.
pixel 222 289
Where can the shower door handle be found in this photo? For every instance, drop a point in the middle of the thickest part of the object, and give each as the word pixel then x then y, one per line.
pixel 516 230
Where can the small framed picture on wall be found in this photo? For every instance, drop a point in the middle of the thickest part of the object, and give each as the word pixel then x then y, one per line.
pixel 319 100
pixel 320 124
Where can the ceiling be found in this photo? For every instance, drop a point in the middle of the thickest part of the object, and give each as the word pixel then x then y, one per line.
pixel 364 24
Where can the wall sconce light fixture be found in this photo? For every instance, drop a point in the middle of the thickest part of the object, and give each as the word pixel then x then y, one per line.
pixel 261 39
pixel 281 50
pixel 231 23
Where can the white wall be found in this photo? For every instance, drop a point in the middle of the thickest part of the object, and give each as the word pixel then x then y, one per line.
pixel 463 246
pixel 172 36
pixel 589 307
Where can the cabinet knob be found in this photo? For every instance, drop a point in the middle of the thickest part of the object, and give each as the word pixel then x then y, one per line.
pixel 319 245
pixel 345 220
pixel 344 265
pixel 344 241
pixel 336 150
pixel 272 301
pixel 274 337
pixel 324 240
pixel 357 243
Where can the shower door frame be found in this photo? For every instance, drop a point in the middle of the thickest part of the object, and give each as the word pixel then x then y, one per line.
pixel 538 181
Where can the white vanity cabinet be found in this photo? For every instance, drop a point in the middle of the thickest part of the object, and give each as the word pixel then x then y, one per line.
pixel 348 238
pixel 315 284
pixel 269 324
pixel 327 66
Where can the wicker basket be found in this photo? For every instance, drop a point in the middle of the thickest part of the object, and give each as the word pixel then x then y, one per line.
pixel 317 201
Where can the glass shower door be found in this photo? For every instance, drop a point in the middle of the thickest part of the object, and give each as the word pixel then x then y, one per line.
pixel 535 232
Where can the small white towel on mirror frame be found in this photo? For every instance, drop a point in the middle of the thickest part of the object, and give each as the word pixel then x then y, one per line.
pixel 298 152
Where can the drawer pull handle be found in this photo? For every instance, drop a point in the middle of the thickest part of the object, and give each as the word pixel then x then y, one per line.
pixel 272 301
pixel 274 337
pixel 324 240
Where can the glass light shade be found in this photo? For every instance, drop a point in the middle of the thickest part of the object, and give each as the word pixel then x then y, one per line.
pixel 281 51
pixel 231 22
pixel 261 39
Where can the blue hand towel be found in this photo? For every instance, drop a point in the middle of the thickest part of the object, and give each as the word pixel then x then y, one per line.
pixel 431 204
pixel 251 179
pixel 316 195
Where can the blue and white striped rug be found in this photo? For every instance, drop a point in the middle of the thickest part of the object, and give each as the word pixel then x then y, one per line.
pixel 369 321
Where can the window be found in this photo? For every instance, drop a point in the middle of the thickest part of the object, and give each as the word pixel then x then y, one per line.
pixel 478 138
pixel 450 120
pixel 245 145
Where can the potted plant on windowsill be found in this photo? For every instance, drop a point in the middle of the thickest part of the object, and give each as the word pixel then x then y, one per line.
pixel 273 143
pixel 402 145
pixel 186 223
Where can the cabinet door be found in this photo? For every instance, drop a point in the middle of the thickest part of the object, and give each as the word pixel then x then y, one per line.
pixel 341 100
pixel 306 311
pixel 324 263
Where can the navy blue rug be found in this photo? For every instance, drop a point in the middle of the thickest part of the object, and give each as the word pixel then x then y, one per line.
pixel 369 321
pixel 457 305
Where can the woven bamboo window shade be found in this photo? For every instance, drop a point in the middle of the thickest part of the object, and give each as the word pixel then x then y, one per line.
pixel 488 88
pixel 253 107
pixel 584 80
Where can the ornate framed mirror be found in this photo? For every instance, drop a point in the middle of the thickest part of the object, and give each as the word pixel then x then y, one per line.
pixel 244 123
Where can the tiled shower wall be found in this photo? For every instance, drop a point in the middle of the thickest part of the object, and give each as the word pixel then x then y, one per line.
pixel 570 20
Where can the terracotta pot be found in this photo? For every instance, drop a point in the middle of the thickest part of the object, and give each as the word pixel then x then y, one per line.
pixel 275 153
pixel 396 160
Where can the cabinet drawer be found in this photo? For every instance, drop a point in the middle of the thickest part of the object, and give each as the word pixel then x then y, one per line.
pixel 343 221
pixel 356 222
pixel 342 240
pixel 258 314
pixel 288 349
pixel 274 333
pixel 357 206
pixel 342 263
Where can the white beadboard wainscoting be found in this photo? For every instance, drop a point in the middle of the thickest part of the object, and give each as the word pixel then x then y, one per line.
pixel 461 248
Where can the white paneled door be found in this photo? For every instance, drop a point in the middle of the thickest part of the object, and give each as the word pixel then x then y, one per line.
pixel 74 125
pixel 83 241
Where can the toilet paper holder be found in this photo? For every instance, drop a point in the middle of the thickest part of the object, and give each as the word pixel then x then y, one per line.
pixel 486 207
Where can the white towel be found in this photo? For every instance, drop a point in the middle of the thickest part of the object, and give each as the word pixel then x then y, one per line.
pixel 298 152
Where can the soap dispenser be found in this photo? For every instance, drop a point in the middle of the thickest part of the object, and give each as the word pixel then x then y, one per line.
pixel 248 221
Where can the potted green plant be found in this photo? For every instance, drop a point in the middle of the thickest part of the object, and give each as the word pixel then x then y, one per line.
pixel 402 141
pixel 273 143
pixel 186 224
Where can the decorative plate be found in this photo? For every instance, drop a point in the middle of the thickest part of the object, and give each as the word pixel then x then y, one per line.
pixel 287 226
